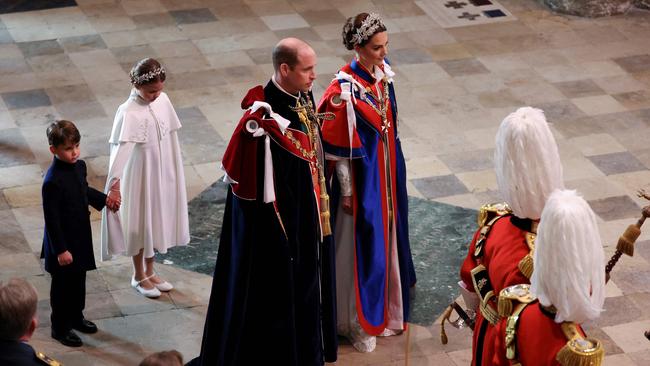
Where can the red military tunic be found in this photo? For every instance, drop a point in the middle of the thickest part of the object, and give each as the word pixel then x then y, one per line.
pixel 538 338
pixel 503 249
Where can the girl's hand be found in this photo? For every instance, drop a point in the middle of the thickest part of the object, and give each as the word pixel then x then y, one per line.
pixel 114 197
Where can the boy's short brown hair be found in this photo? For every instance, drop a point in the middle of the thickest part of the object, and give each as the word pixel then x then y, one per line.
pixel 18 300
pixel 164 358
pixel 61 132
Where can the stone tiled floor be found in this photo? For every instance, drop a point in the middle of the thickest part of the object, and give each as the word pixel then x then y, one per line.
pixel 454 85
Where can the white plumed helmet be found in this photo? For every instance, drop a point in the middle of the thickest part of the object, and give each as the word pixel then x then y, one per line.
pixel 527 162
pixel 569 259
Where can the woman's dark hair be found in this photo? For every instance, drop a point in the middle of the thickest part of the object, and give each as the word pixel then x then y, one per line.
pixel 350 30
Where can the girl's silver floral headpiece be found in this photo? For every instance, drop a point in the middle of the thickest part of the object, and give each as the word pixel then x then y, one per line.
pixel 137 80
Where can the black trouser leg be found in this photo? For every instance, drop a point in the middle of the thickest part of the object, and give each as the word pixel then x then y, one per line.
pixel 79 296
pixel 58 297
pixel 68 299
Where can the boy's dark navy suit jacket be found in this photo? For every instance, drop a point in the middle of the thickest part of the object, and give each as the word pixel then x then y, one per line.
pixel 66 197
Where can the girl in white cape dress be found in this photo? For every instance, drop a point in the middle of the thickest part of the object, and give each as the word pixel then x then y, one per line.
pixel 146 168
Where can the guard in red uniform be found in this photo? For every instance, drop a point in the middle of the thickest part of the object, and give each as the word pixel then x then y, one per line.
pixel 528 169
pixel 568 288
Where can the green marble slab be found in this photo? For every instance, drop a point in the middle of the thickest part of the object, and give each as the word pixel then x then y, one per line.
pixel 439 236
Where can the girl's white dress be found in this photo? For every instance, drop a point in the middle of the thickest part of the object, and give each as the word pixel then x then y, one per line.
pixel 146 157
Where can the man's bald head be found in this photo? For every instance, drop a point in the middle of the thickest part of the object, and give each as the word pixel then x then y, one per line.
pixel 287 52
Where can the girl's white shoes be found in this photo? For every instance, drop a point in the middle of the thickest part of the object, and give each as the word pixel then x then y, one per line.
pixel 163 286
pixel 151 293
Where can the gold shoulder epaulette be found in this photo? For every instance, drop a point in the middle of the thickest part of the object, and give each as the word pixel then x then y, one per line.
pixel 526 263
pixel 489 210
pixel 579 351
pixel 47 359
pixel 510 296
pixel 511 333
pixel 487 216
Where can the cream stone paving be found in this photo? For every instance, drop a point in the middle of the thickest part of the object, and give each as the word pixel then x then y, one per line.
pixel 454 86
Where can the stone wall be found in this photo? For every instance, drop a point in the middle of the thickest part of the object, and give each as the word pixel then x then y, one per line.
pixel 643 4
pixel 591 8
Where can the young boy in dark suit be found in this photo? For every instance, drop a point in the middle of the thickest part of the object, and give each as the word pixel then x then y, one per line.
pixel 67 242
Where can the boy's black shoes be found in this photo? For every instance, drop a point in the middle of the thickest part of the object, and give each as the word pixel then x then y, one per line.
pixel 68 338
pixel 85 326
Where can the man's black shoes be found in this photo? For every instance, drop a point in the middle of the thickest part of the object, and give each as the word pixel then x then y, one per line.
pixel 68 338
pixel 85 326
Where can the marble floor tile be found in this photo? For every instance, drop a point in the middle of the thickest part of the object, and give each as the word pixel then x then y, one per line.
pixel 503 62
pixel 462 357
pixel 5 37
pixel 14 66
pixel 20 175
pixel 479 181
pixel 192 16
pixel 231 10
pixel 579 88
pixel 629 336
pixel 499 99
pixel 19 265
pixel 426 167
pixel 153 20
pixel 600 104
pixel 643 156
pixel 579 168
pixel 26 195
pixel 601 34
pixel 616 163
pixel 132 54
pixel 619 360
pixel 6 120
pixel 486 47
pixel 641 357
pixel 306 34
pixel 595 188
pixel 439 186
pixel 463 67
pixel 40 48
pixel 134 7
pixel 535 92
pixel 542 58
pixel 559 73
pixel 13 241
pixel 451 51
pixel 284 21
pixel 26 99
pixel 321 17
pixel 600 68
pixel 613 208
pixel 130 302
pixel 10 50
pixel 634 63
pixel 634 100
pixel 13 149
pixel 626 311
pixel 410 56
pixel 611 290
pixel 468 161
